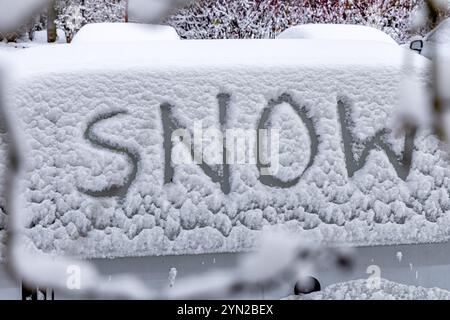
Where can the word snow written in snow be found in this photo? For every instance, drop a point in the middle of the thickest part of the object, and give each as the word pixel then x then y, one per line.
pixel 237 146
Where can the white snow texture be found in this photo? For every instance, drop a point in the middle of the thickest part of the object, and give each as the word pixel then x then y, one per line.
pixel 364 290
pixel 55 93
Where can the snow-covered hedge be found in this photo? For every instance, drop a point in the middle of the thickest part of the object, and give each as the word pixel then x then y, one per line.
pixel 100 178
pixel 212 19
pixel 267 18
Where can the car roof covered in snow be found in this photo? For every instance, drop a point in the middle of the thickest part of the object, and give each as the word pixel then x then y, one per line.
pixel 123 33
pixel 336 32
pixel 193 54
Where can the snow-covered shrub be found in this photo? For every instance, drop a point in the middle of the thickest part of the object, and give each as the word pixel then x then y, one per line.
pixel 267 18
pixel 70 18
pixel 104 10
pixel 206 19
pixel 73 14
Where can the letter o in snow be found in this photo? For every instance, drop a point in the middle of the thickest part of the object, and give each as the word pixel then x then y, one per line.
pixel 268 161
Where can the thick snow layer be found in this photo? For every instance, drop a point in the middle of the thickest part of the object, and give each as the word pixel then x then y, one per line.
pixel 336 32
pixel 40 37
pixel 97 33
pixel 369 290
pixel 94 181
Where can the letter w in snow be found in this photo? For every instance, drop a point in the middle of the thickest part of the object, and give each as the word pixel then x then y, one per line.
pixel 401 165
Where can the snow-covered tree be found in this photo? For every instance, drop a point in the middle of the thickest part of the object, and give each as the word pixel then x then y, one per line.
pixel 51 22
pixel 205 19
pixel 267 18
pixel 73 14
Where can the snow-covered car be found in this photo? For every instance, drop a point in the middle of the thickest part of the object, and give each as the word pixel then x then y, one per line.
pixel 437 37
pixel 108 169
pixel 123 33
pixel 336 32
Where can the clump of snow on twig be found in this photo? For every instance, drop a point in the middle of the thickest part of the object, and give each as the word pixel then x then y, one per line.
pixel 399 256
pixel 172 276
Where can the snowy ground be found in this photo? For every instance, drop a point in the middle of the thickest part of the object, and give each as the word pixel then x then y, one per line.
pixel 369 290
pixel 40 39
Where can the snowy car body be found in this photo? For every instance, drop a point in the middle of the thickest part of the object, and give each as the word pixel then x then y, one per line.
pixel 98 33
pixel 336 32
pixel 121 102
pixel 440 36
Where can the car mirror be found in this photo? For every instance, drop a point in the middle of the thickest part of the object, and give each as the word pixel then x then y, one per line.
pixel 416 45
